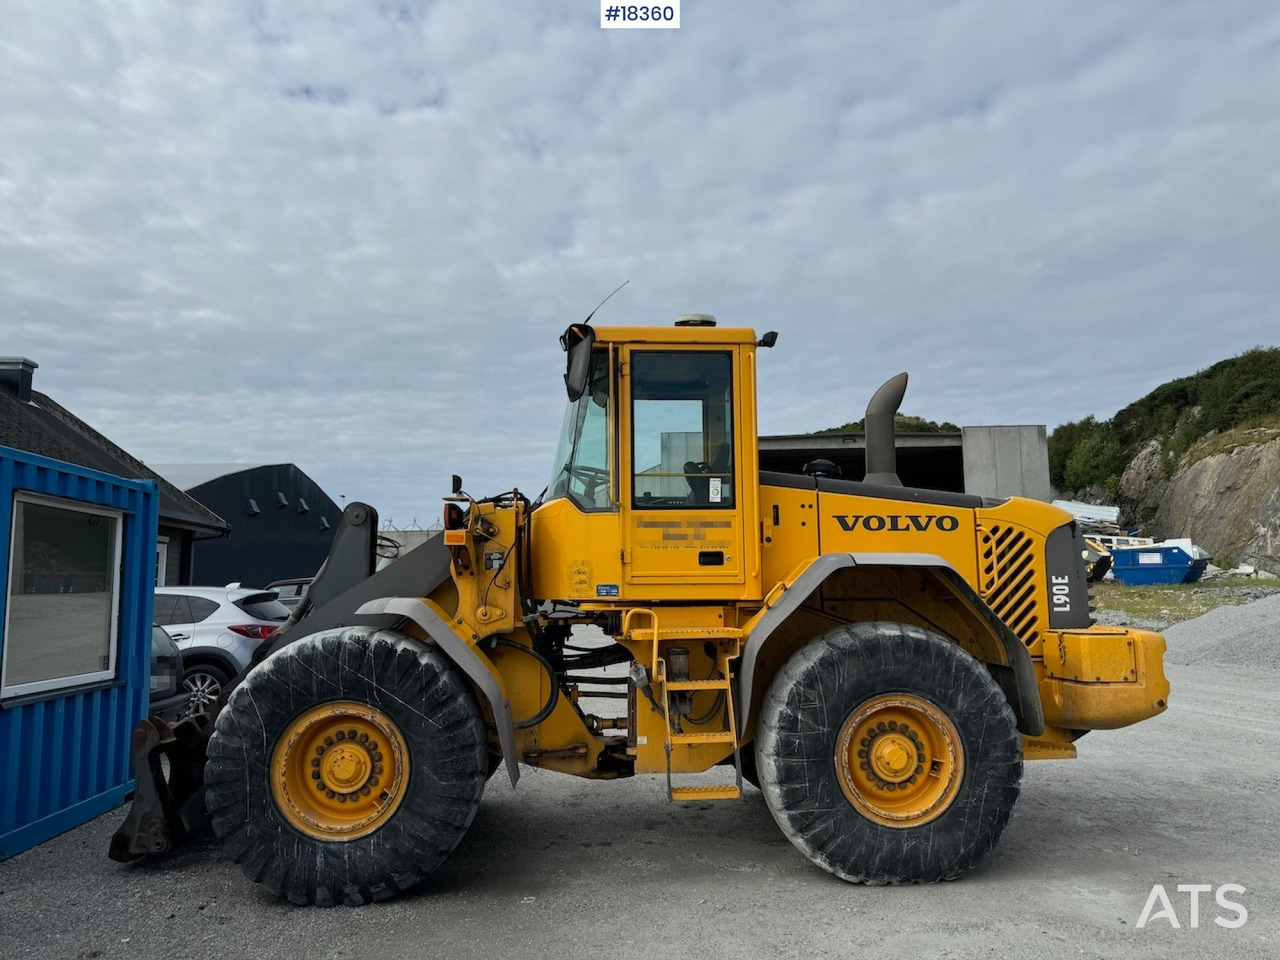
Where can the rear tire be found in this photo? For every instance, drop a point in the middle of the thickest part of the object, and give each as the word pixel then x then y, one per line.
pixel 413 776
pixel 887 755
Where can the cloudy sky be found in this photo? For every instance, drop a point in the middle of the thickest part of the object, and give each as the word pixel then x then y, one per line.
pixel 347 234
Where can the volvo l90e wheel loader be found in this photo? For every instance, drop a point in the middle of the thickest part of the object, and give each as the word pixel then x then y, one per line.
pixel 879 660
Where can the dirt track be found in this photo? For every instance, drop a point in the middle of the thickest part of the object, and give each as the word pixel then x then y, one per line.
pixel 579 869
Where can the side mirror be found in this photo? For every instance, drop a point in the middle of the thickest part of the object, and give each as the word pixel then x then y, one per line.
pixel 577 342
pixel 768 340
pixel 457 484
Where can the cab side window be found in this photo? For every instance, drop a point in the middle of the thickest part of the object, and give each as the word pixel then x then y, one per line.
pixel 682 429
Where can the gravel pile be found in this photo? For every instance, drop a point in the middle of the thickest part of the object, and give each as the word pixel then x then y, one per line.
pixel 1246 636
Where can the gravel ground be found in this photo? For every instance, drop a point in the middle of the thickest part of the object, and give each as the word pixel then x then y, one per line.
pixel 568 868
pixel 1247 636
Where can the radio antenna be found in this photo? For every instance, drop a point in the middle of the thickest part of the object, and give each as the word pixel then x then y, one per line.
pixel 604 301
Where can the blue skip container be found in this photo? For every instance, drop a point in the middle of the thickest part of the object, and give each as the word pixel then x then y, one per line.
pixel 1157 563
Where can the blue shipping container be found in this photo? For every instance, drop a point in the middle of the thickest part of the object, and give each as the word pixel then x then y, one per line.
pixel 1139 566
pixel 64 743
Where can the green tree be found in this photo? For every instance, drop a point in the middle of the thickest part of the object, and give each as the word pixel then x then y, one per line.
pixel 902 423
pixel 1095 459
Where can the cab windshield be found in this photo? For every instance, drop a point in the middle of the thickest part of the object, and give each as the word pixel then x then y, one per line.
pixel 581 469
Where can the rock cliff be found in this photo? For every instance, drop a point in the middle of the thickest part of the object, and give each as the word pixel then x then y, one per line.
pixel 1228 503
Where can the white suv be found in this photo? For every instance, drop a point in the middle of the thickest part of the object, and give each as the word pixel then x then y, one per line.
pixel 217 629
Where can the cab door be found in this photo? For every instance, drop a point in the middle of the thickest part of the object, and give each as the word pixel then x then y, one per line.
pixel 683 501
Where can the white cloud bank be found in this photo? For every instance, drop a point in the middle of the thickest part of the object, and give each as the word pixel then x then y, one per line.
pixel 347 235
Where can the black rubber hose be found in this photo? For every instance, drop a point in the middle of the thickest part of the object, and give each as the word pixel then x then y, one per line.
pixel 550 705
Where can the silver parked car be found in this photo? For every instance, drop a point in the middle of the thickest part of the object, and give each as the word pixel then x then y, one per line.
pixel 217 629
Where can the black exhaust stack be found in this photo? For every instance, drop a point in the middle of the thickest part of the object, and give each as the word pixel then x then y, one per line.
pixel 882 453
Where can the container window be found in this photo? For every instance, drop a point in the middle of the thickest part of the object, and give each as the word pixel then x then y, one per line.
pixel 63 600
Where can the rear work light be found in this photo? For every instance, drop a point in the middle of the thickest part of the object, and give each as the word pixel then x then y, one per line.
pixel 256 631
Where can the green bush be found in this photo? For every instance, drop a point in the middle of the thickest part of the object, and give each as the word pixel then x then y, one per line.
pixel 902 423
pixel 1094 459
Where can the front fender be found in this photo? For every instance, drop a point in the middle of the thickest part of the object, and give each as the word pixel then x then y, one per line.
pixel 424 614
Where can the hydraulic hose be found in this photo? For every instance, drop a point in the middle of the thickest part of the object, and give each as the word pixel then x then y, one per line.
pixel 550 705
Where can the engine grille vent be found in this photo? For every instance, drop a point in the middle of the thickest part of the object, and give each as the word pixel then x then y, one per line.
pixel 1011 581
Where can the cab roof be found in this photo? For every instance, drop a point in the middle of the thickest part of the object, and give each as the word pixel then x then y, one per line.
pixel 674 335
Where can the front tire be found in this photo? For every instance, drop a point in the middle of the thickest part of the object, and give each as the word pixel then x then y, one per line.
pixel 887 754
pixel 346 767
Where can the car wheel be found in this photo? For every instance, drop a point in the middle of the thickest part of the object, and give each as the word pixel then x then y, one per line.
pixel 205 684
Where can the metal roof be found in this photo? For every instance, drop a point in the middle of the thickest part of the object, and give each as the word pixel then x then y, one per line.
pixel 1098 513
pixel 188 476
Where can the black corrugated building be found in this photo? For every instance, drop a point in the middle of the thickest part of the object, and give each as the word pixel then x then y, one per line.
pixel 33 422
pixel 282 522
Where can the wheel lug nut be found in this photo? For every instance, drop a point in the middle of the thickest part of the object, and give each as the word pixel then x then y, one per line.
pixel 364 738
pixel 342 798
pixel 315 774
pixel 373 781
pixel 330 794
pixel 351 734
pixel 893 724
pixel 377 758
pixel 377 768
pixel 341 734
pixel 919 770
pixel 862 754
pixel 315 761
pixel 328 741
pixel 881 726
pixel 320 785
pixel 364 791
pixel 319 751
pixel 373 744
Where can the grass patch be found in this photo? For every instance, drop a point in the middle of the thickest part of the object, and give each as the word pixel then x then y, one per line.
pixel 1262 432
pixel 1164 604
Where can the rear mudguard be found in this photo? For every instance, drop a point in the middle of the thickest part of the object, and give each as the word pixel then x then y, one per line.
pixel 1024 698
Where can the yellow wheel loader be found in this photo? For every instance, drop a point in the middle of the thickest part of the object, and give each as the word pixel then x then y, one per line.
pixel 878 660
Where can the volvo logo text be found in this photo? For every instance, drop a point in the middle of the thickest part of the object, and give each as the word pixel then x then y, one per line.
pixel 900 523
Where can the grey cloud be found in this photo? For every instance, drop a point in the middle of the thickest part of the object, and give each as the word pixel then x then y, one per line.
pixel 348 235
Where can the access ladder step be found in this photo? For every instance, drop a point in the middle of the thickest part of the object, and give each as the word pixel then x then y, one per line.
pixel 696 684
pixel 729 792
pixel 713 736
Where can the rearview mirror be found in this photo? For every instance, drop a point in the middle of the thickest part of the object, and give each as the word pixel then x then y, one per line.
pixel 577 342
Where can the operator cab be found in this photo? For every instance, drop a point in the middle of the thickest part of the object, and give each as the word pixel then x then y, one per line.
pixel 656 465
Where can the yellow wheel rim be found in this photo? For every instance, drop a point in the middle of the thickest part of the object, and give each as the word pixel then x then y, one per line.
pixel 899 760
pixel 340 770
